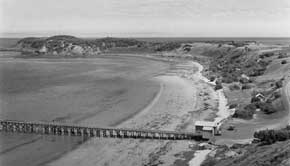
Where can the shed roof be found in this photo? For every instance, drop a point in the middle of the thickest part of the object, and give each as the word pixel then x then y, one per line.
pixel 207 128
pixel 260 95
pixel 205 123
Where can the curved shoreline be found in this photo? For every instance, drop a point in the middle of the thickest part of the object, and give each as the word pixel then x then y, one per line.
pixel 169 110
pixel 223 111
pixel 222 114
pixel 147 107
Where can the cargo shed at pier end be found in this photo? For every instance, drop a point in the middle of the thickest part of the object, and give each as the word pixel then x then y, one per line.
pixel 207 129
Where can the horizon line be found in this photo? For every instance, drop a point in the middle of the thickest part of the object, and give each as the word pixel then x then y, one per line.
pixel 123 35
pixel 116 36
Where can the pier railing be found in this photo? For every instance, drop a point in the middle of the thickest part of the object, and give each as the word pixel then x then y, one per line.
pixel 89 131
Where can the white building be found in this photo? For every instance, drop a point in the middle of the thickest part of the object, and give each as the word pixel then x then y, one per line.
pixel 207 129
pixel 43 49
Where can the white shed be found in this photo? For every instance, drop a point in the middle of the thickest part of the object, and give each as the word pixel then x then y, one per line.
pixel 207 129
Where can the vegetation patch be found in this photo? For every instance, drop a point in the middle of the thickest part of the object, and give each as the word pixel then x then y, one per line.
pixel 283 62
pixel 272 136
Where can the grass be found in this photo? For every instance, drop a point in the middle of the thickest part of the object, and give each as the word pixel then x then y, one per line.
pixel 251 155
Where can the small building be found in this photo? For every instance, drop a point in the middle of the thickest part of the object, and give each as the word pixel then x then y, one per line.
pixel 261 97
pixel 207 129
pixel 43 50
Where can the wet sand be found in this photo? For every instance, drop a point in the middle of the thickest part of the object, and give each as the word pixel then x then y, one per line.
pixel 99 91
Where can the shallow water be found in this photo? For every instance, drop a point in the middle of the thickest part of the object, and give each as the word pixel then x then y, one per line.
pixel 99 92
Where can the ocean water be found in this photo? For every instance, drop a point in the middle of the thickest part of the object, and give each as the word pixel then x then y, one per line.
pixel 97 92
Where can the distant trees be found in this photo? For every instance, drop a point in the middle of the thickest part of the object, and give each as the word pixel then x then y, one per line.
pixel 277 95
pixel 266 107
pixel 282 55
pixel 31 42
pixel 279 83
pixel 234 87
pixel 257 71
pixel 246 112
pixel 243 113
pixel 272 136
pixel 168 46
pixel 246 86
pixel 268 54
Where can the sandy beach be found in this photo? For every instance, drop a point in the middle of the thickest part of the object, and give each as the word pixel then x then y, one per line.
pixel 176 107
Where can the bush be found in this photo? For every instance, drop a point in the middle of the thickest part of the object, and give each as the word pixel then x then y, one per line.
pixel 282 55
pixel 168 46
pixel 231 127
pixel 251 80
pixel 233 106
pixel 277 94
pixel 246 86
pixel 209 162
pixel 244 80
pixel 250 107
pixel 229 79
pixel 271 136
pixel 244 114
pixel 218 86
pixel 264 63
pixel 269 54
pixel 257 72
pixel 279 84
pixel 283 62
pixel 255 99
pixel 234 87
pixel 212 78
pixel 267 108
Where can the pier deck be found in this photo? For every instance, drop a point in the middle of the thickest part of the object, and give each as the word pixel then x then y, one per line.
pixel 89 131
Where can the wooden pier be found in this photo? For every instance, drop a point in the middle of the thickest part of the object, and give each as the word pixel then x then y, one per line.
pixel 87 131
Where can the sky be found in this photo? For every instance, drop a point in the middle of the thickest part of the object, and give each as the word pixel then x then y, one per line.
pixel 145 18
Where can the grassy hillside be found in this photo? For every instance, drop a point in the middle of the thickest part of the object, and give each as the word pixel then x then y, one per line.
pixel 244 70
pixel 69 45
pixel 8 42
pixel 277 154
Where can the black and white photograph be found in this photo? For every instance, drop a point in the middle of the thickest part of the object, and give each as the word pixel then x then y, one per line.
pixel 145 82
